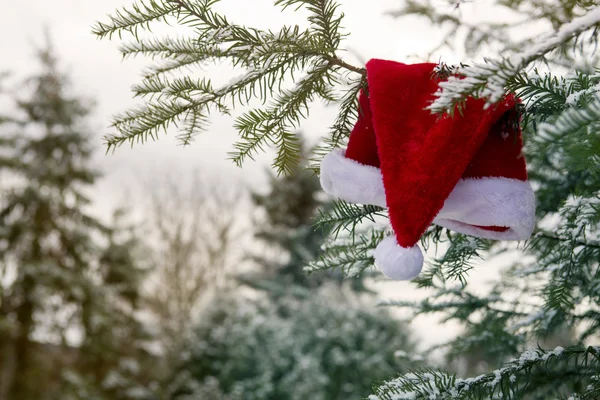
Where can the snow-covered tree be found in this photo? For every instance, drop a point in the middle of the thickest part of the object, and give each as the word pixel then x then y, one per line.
pixel 288 234
pixel 315 346
pixel 289 208
pixel 295 336
pixel 551 66
pixel 69 283
pixel 534 332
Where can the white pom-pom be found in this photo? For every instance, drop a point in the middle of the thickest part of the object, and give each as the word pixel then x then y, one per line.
pixel 396 262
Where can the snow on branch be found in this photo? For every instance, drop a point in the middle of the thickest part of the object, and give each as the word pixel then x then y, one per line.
pixel 571 120
pixel 488 80
pixel 431 384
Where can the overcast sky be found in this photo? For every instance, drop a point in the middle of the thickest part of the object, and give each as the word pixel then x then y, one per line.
pixel 98 72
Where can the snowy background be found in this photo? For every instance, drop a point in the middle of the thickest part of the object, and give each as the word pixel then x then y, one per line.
pixel 99 73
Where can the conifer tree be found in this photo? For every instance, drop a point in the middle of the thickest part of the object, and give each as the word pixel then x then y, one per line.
pixel 69 282
pixel 320 344
pixel 553 284
pixel 289 208
pixel 296 337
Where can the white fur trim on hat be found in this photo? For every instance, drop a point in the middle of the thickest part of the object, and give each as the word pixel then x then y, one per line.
pixel 349 180
pixel 396 262
pixel 490 202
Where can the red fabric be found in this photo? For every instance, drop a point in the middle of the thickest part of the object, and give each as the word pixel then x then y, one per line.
pixel 499 155
pixel 363 146
pixel 493 228
pixel 422 156
pixel 501 152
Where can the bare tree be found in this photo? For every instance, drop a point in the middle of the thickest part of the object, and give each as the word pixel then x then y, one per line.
pixel 196 233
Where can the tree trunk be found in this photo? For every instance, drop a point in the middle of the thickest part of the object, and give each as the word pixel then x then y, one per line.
pixel 23 378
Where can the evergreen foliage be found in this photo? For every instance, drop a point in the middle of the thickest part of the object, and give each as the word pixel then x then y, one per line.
pixel 304 59
pixel 311 347
pixel 544 370
pixel 289 209
pixel 554 282
pixel 301 336
pixel 287 231
pixel 68 282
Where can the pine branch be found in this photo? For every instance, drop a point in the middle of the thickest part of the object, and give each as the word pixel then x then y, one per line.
pixel 490 80
pixel 147 121
pixel 174 66
pixel 323 19
pixel 554 237
pixel 456 302
pixel 273 124
pixel 507 382
pixel 543 96
pixel 548 95
pixel 164 47
pixel 347 116
pixel 573 119
pixel 457 261
pixel 477 34
pixel 353 255
pixel 269 57
pixel 135 19
pixel 569 255
pixel 172 54
pixel 346 217
pixel 340 63
pixel 194 123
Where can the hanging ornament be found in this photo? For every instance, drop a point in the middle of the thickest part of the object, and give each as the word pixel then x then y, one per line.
pixel 464 172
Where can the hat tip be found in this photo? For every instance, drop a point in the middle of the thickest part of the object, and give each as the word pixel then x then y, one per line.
pixel 397 262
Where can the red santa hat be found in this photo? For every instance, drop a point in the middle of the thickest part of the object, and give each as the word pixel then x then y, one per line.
pixel 464 172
